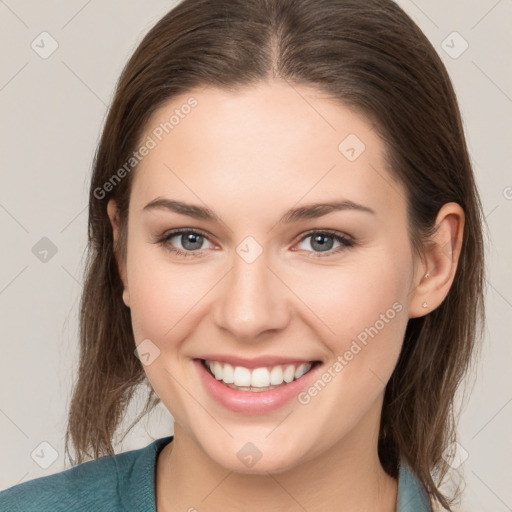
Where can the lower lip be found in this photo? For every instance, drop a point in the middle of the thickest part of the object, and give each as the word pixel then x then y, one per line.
pixel 248 402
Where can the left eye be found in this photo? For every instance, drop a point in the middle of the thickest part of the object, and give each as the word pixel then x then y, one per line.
pixel 192 241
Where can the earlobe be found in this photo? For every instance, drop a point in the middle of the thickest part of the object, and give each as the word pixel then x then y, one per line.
pixel 126 297
pixel 113 214
pixel 436 273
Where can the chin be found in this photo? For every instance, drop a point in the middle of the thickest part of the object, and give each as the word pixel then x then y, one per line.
pixel 246 458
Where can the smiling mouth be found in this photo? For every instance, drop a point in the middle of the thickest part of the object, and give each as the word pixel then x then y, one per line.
pixel 260 379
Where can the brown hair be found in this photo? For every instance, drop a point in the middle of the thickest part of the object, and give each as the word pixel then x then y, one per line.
pixel 371 56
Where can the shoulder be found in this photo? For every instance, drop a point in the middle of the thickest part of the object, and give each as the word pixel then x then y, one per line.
pixel 77 488
pixel 104 484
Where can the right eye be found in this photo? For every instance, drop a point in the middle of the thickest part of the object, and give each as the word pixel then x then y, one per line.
pixel 191 241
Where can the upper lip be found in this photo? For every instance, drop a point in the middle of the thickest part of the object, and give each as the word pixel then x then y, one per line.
pixel 255 362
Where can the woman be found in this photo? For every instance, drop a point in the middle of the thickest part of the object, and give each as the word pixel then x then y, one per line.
pixel 284 225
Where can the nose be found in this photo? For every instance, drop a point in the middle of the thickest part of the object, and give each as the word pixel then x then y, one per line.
pixel 252 301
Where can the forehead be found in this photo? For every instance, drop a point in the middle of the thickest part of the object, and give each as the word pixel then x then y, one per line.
pixel 263 145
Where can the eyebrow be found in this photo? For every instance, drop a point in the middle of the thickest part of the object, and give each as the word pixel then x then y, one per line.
pixel 308 211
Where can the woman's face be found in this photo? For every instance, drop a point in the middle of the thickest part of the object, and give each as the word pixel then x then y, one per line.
pixel 260 282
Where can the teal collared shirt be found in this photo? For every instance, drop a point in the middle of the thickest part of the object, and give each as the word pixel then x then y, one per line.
pixel 126 483
pixel 411 496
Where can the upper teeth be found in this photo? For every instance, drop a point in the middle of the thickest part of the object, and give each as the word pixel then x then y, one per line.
pixel 258 377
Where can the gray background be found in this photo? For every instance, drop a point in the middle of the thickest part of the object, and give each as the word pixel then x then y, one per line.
pixel 52 111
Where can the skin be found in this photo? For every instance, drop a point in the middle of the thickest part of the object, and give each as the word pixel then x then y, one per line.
pixel 249 156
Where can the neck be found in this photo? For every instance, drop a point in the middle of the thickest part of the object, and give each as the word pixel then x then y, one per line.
pixel 348 477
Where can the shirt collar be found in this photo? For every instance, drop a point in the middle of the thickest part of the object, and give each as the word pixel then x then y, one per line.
pixel 136 488
pixel 137 491
pixel 411 495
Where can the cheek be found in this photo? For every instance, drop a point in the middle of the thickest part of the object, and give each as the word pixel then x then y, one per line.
pixel 162 300
pixel 363 314
pixel 355 296
pixel 163 294
pixel 159 299
pixel 361 311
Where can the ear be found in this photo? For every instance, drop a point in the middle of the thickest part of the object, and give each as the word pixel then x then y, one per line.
pixel 434 276
pixel 113 214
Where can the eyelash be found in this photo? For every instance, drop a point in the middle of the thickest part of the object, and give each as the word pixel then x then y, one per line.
pixel 342 239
